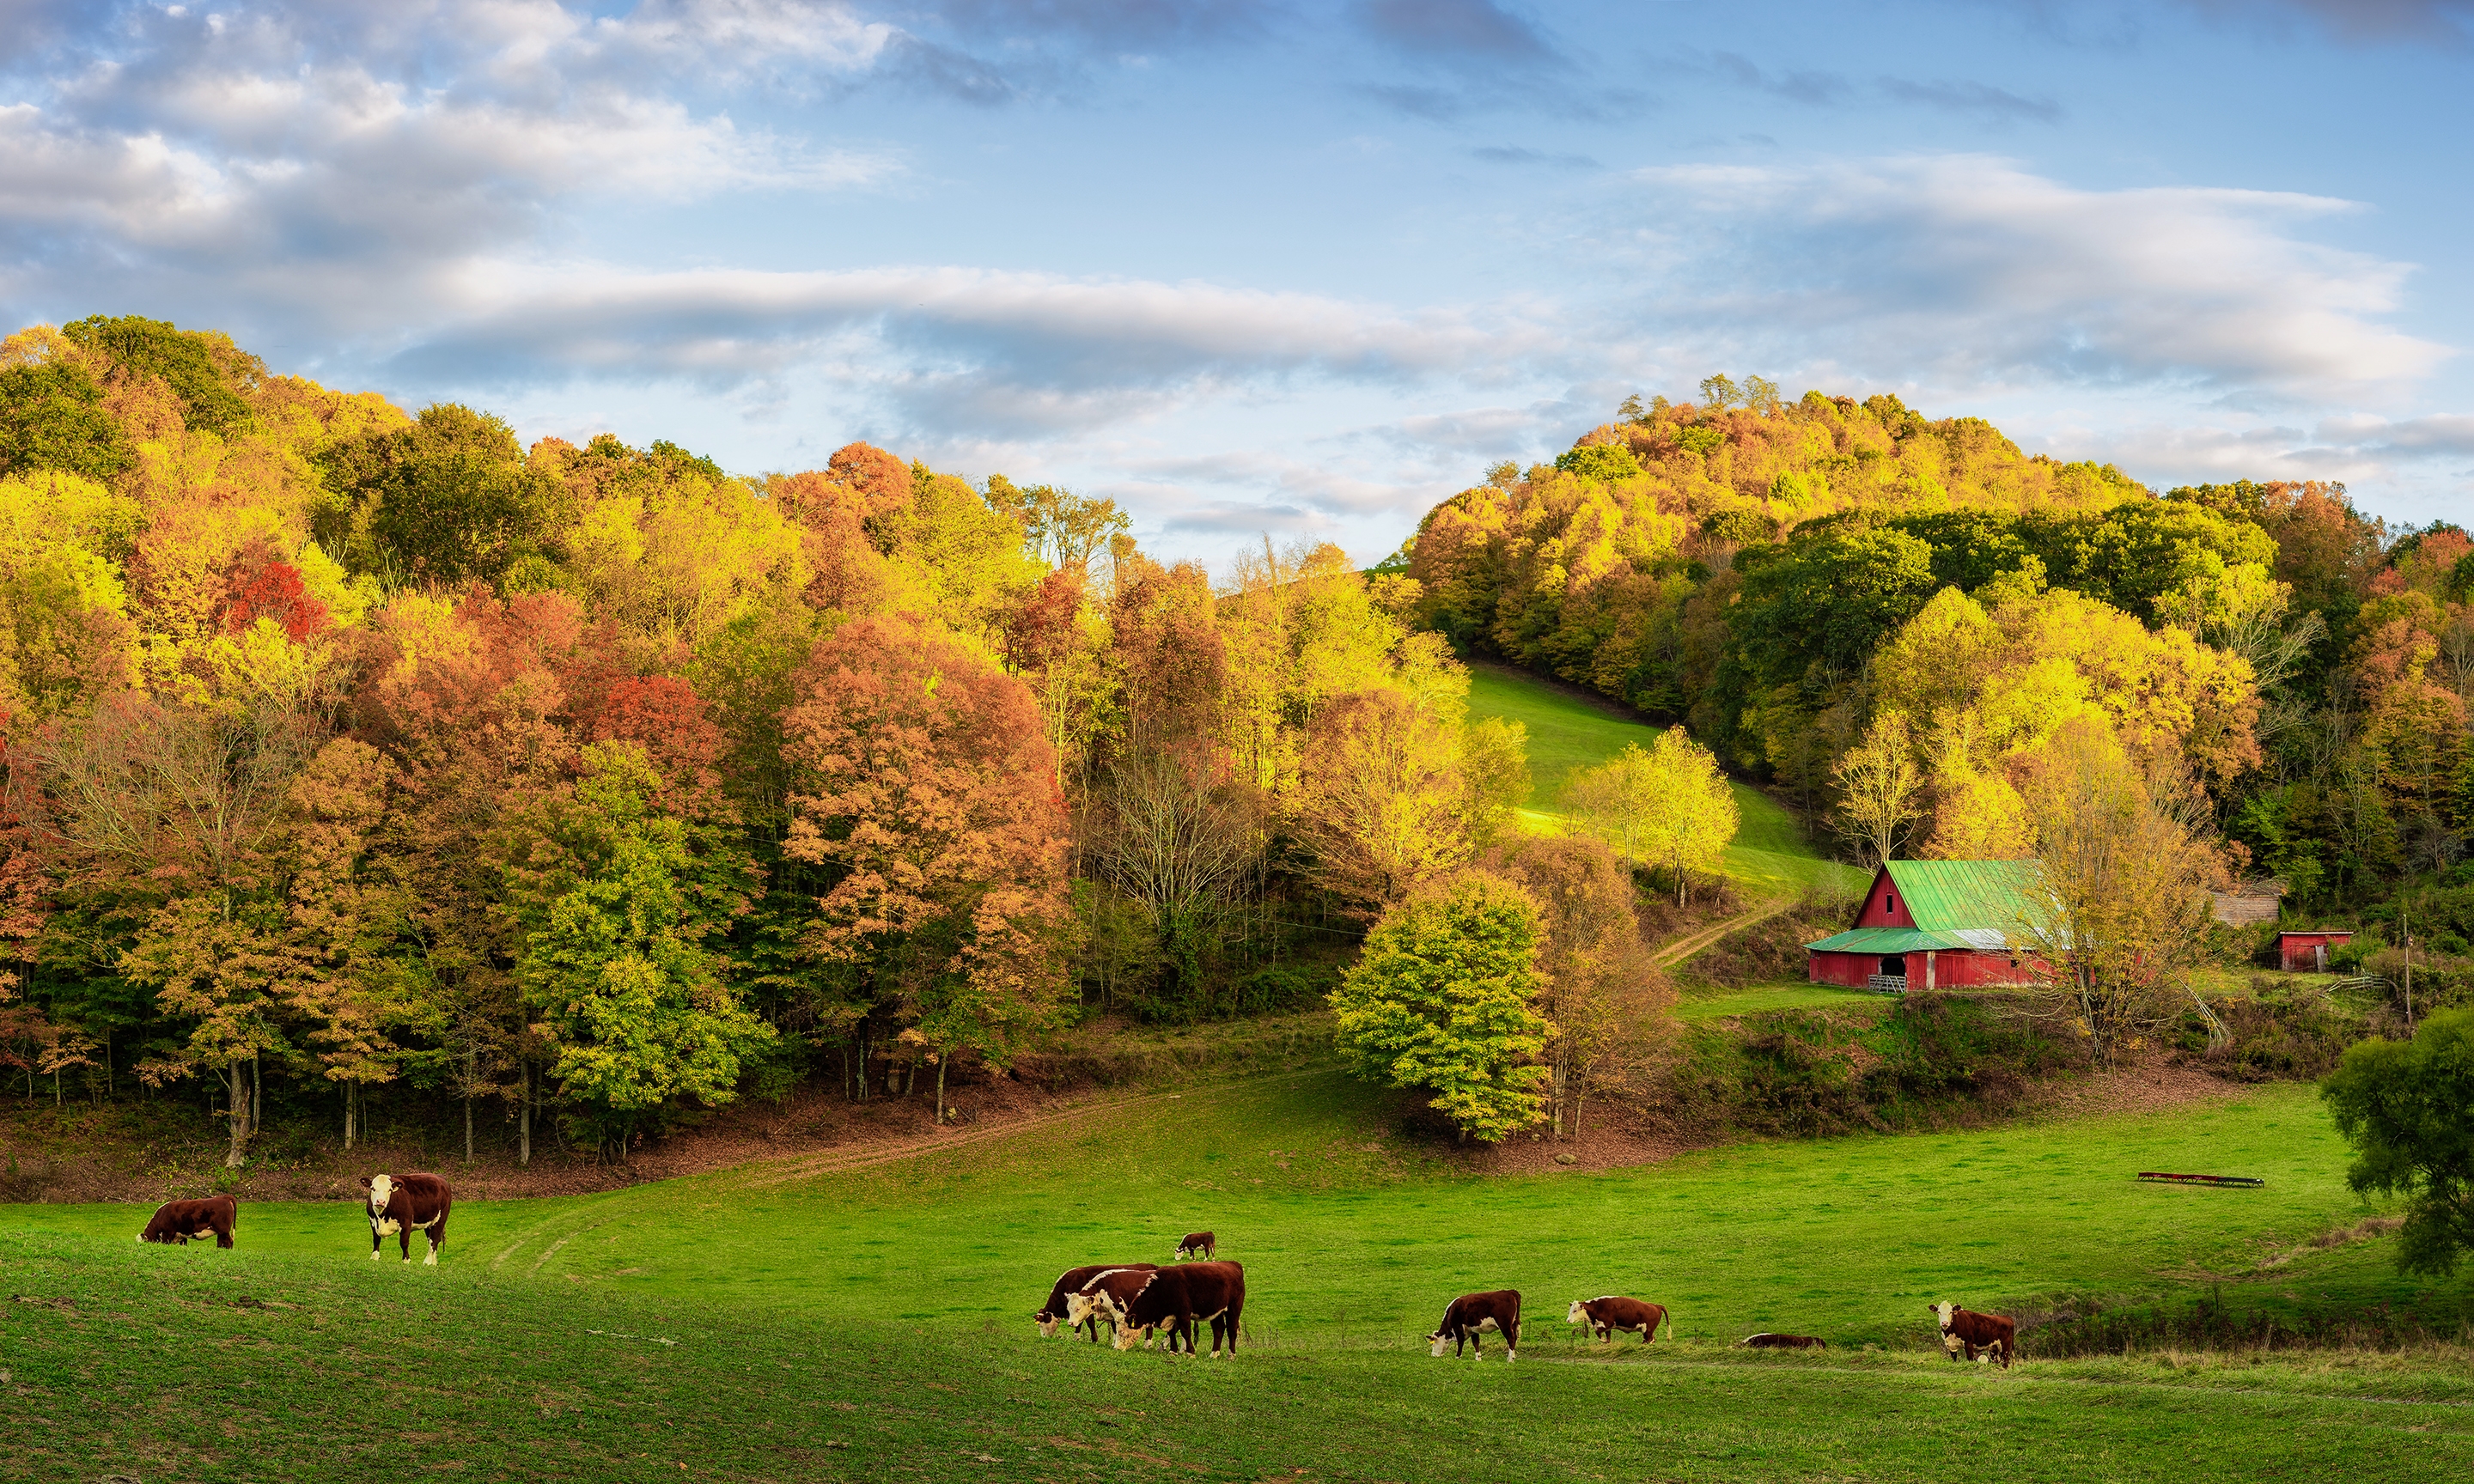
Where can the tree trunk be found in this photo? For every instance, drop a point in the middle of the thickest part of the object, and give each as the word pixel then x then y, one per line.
pixel 524 1120
pixel 256 1095
pixel 941 1089
pixel 348 1087
pixel 238 1115
pixel 468 1108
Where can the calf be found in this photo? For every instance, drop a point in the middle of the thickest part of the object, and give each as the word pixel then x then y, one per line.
pixel 1069 1283
pixel 1606 1315
pixel 1196 1244
pixel 1469 1316
pixel 177 1221
pixel 1767 1341
pixel 1964 1330
pixel 1175 1298
pixel 400 1205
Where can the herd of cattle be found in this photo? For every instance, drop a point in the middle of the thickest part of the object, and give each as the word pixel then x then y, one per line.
pixel 397 1205
pixel 1141 1303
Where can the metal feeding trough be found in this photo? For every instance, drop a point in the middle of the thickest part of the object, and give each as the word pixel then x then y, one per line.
pixel 2245 1181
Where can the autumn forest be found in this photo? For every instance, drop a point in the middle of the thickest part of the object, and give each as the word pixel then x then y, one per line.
pixel 355 753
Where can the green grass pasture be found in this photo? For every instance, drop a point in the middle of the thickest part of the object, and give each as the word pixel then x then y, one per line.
pixel 872 1325
pixel 1567 733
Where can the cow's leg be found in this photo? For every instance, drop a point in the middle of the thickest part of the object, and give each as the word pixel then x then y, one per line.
pixel 377 1242
pixel 223 1238
pixel 437 1241
pixel 403 1239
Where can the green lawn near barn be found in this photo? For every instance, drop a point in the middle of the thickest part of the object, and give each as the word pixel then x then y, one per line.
pixel 1567 732
pixel 758 1323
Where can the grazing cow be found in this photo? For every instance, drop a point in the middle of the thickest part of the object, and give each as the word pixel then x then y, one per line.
pixel 1053 1312
pixel 1606 1315
pixel 1766 1341
pixel 398 1204
pixel 1964 1330
pixel 1469 1316
pixel 1175 1298
pixel 1198 1244
pixel 1107 1294
pixel 177 1221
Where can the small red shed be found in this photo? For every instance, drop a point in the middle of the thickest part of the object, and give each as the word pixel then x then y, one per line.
pixel 1932 924
pixel 2307 953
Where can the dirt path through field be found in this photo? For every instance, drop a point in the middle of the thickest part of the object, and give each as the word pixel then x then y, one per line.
pixel 1684 947
pixel 782 1172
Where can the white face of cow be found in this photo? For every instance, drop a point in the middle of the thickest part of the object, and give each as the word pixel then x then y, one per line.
pixel 1579 1314
pixel 381 1191
pixel 1129 1337
pixel 1942 1313
pixel 1435 1344
pixel 1047 1325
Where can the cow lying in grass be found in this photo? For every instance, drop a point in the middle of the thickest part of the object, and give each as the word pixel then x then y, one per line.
pixel 1174 1298
pixel 1966 1331
pixel 1611 1312
pixel 1766 1341
pixel 1058 1310
pixel 177 1221
pixel 1469 1317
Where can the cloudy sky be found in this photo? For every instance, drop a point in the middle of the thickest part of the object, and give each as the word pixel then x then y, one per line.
pixel 1294 267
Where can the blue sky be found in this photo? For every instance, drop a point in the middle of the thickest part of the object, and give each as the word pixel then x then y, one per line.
pixel 1297 269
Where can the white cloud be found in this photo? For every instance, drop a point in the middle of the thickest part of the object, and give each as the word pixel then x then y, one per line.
pixel 1969 269
pixel 955 346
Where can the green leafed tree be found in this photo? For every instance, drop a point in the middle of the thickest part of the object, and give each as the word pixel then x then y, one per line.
pixel 635 1007
pixel 1440 1001
pixel 2408 1109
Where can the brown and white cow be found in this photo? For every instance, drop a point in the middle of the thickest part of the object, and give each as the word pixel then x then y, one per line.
pixel 1469 1317
pixel 1175 1298
pixel 1610 1312
pixel 1196 1244
pixel 1766 1341
pixel 1965 1330
pixel 1056 1311
pixel 400 1205
pixel 177 1221
pixel 1107 1295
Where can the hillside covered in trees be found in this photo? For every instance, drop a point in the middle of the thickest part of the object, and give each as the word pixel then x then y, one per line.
pixel 1894 619
pixel 351 751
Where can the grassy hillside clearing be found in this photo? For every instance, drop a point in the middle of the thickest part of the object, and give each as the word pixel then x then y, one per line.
pixel 1568 733
pixel 870 1324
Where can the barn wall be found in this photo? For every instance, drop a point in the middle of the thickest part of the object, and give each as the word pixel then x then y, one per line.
pixel 1964 970
pixel 1847 971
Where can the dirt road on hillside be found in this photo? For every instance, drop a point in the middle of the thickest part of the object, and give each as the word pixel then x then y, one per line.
pixel 1671 954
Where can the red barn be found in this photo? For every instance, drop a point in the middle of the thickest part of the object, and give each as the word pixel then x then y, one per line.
pixel 1932 924
pixel 2307 953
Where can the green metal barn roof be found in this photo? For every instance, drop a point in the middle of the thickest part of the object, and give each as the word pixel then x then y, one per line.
pixel 1947 896
pixel 1956 904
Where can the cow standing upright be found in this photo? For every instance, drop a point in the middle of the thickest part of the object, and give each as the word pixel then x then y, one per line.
pixel 179 1221
pixel 1469 1316
pixel 1964 1330
pixel 400 1204
pixel 1198 1244
pixel 1175 1298
pixel 1611 1312
pixel 1108 1294
pixel 1060 1308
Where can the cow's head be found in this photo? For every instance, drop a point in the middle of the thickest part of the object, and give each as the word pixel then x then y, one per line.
pixel 381 1190
pixel 1078 1307
pixel 1436 1342
pixel 1128 1336
pixel 1579 1313
pixel 1942 1313
pixel 1047 1325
